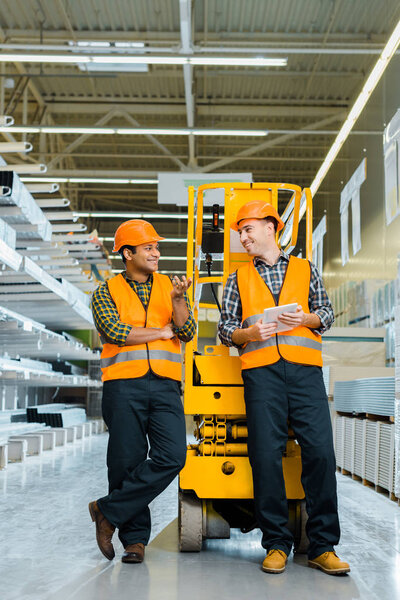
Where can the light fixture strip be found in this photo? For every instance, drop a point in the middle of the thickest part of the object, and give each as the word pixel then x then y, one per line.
pixel 135 131
pixel 110 180
pixel 358 106
pixel 140 59
pixel 136 215
pixel 165 240
pixel 162 257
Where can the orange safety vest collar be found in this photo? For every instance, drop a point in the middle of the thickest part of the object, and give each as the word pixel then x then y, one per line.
pixel 300 345
pixel 162 357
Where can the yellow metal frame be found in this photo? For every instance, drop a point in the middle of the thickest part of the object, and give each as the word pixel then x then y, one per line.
pixel 220 391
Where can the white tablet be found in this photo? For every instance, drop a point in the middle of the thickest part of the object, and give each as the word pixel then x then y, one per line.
pixel 272 314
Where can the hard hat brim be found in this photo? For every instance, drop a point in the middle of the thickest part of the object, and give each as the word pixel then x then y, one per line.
pixel 157 238
pixel 280 224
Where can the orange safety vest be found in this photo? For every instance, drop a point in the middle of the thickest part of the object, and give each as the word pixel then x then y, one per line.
pixel 300 345
pixel 162 357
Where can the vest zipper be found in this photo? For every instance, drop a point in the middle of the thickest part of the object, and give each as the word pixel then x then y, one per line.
pixel 145 319
pixel 276 303
pixel 145 324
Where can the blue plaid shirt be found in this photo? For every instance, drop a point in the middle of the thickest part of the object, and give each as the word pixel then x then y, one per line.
pixel 108 323
pixel 273 275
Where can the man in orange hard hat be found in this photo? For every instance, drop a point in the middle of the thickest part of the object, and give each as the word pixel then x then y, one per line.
pixel 141 316
pixel 283 382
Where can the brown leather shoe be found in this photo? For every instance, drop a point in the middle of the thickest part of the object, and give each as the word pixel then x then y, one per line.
pixel 330 563
pixel 275 561
pixel 104 531
pixel 134 553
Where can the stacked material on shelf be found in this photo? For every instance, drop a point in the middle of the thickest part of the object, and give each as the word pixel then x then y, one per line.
pixel 366 449
pixel 28 288
pixel 56 415
pixel 373 395
pixel 37 373
pixel 397 400
pixel 384 302
pixel 353 346
pixel 7 234
pixel 20 335
pixel 352 302
pixel 335 373
pixel 91 253
pixel 19 209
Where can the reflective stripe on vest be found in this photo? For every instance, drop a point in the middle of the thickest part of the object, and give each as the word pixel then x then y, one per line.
pixel 162 357
pixel 300 345
pixel 140 355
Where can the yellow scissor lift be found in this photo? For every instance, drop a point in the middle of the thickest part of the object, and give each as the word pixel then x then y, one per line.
pixel 216 488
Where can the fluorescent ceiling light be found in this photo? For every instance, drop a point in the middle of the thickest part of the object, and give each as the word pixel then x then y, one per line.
pixel 358 106
pixel 81 130
pixel 22 129
pixel 137 215
pixel 165 240
pixel 238 62
pixel 151 131
pixel 148 59
pixel 88 180
pixel 131 215
pixel 136 130
pixel 162 257
pixel 45 58
pixel 229 132
pixel 173 272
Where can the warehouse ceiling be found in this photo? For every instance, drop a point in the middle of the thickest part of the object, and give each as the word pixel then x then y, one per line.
pixel 330 47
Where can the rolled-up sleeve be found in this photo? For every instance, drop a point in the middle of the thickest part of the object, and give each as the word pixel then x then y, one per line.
pixel 106 317
pixel 319 302
pixel 231 312
pixel 188 329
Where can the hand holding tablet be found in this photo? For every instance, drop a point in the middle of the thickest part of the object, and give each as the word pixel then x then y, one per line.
pixel 273 315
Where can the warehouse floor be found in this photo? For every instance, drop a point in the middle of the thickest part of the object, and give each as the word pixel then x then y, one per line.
pixel 49 549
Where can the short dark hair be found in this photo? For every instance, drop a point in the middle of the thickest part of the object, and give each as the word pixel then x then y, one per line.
pixel 121 251
pixel 273 221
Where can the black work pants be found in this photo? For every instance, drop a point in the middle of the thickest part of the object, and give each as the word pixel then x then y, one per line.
pixel 140 413
pixel 275 394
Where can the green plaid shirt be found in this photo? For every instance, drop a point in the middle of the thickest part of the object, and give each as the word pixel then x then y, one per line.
pixel 106 317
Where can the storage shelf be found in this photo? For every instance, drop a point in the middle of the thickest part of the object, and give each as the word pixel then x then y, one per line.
pixel 20 336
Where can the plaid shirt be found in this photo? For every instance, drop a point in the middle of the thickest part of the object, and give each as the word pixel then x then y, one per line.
pixel 106 317
pixel 231 315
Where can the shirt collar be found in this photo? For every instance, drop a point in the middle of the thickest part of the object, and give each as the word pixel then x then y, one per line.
pixel 282 256
pixel 149 279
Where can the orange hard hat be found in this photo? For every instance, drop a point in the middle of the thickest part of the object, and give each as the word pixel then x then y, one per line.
pixel 134 233
pixel 257 209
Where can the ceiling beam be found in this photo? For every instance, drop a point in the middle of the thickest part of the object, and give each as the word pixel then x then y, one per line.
pixel 155 141
pixel 185 14
pixel 268 144
pixel 117 100
pixel 212 71
pixel 370 42
pixel 80 139
pixel 371 39
pixel 206 109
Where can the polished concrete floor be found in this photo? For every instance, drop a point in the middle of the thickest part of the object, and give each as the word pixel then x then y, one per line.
pixel 48 549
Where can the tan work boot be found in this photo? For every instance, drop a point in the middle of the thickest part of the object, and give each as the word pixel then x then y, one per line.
pixel 134 553
pixel 330 563
pixel 104 531
pixel 275 561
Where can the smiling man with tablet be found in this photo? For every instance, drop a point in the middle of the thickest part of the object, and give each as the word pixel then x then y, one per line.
pixel 274 310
